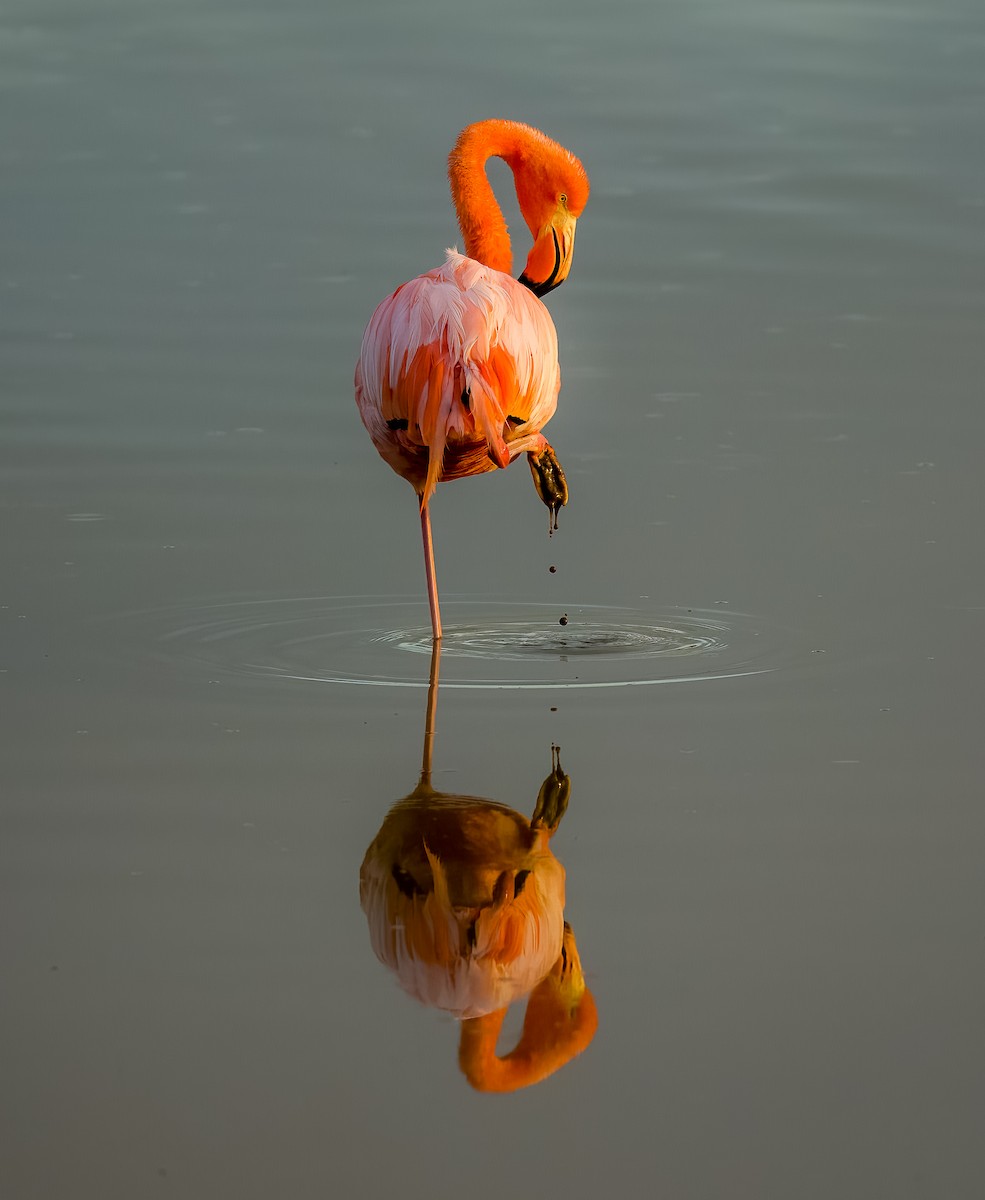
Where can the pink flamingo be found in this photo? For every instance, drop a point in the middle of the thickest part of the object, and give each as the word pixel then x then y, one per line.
pixel 458 371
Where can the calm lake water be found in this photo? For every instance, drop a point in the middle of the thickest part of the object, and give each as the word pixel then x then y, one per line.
pixel 769 695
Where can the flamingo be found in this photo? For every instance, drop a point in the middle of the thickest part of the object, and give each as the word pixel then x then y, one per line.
pixel 464 896
pixel 465 904
pixel 458 370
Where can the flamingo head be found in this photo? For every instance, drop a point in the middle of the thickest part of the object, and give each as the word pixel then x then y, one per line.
pixel 552 191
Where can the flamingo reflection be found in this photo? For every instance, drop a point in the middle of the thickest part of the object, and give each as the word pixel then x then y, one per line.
pixel 465 903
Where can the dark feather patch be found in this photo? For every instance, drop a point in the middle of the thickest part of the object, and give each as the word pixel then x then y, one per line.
pixel 406 882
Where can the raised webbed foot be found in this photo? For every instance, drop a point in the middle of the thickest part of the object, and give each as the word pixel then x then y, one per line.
pixel 549 480
pixel 552 799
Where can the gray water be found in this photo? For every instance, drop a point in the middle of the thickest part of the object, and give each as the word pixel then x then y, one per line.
pixel 769 694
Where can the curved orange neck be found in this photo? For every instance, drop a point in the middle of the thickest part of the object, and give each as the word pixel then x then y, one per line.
pixel 479 216
pixel 553 1034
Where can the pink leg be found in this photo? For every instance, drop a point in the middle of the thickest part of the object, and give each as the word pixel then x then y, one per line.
pixel 430 718
pixel 429 571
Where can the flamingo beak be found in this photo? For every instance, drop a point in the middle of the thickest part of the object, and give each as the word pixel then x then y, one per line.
pixel 549 260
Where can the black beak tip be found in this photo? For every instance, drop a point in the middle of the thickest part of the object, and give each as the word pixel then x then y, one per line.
pixel 538 289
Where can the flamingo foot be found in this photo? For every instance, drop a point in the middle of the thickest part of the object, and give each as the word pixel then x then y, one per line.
pixel 552 799
pixel 549 480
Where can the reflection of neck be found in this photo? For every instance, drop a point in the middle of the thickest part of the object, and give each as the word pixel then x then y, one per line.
pixel 430 717
pixel 553 1033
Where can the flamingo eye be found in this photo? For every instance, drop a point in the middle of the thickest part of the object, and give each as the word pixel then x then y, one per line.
pixel 563 198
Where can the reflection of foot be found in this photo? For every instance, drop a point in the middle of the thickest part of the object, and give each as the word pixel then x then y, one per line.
pixel 552 799
pixel 549 480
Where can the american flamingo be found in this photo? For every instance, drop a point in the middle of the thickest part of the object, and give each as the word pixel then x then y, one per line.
pixel 464 897
pixel 458 370
pixel 465 904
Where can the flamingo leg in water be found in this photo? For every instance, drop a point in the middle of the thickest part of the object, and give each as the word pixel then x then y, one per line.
pixel 429 571
pixel 430 718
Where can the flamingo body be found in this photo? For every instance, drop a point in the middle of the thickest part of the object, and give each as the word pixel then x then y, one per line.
pixel 458 374
pixel 439 886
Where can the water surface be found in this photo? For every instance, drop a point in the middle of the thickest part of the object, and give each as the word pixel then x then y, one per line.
pixel 214 623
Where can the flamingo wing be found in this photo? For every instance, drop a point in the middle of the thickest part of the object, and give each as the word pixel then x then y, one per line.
pixel 457 374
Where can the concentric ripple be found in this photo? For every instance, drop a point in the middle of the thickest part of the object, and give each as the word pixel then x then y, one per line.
pixel 376 641
pixel 520 641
